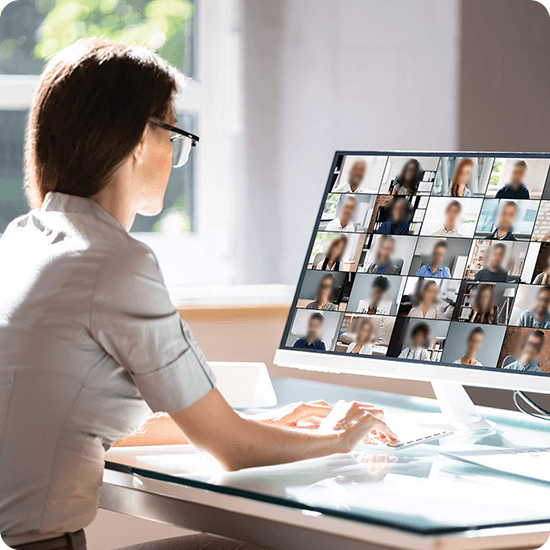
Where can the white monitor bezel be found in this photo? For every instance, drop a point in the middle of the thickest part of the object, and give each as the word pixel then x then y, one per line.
pixel 399 368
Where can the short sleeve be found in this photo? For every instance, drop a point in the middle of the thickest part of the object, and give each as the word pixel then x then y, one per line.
pixel 133 319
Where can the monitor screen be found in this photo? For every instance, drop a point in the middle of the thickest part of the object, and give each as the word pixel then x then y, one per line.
pixel 430 258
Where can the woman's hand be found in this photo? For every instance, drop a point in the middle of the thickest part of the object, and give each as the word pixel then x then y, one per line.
pixel 354 422
pixel 307 415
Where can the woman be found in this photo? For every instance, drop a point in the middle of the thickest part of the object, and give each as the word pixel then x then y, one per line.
pixel 473 343
pixel 425 305
pixel 408 181
pixel 461 178
pixel 483 308
pixel 420 335
pixel 89 340
pixel 335 252
pixel 363 341
pixel 324 294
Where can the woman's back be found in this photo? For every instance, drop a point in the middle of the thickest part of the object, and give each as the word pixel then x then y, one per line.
pixel 74 348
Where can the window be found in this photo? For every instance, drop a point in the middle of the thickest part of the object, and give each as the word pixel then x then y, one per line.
pixel 31 31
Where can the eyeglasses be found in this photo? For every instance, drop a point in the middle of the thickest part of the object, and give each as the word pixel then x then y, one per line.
pixel 182 143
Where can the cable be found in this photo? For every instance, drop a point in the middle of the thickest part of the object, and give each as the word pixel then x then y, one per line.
pixel 543 414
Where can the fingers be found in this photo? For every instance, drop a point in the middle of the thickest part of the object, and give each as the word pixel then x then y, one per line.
pixel 383 429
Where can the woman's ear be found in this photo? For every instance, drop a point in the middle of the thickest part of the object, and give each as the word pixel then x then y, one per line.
pixel 140 150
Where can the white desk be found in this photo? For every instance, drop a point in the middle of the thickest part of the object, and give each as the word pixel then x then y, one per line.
pixel 413 499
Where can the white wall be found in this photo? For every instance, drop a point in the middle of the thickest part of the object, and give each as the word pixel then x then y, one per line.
pixel 505 76
pixel 353 74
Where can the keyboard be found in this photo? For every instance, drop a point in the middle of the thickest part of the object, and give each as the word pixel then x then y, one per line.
pixel 407 438
pixel 532 462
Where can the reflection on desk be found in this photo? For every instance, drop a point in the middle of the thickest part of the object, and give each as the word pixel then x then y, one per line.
pixel 415 489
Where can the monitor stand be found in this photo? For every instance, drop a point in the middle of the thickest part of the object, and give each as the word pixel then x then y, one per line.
pixel 458 408
pixel 460 411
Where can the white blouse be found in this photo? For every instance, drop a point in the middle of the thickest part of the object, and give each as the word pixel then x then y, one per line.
pixel 89 340
pixel 417 312
pixel 366 349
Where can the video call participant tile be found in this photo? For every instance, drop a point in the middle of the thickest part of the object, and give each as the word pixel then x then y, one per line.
pixel 426 298
pixel 525 350
pixel 336 251
pixel 314 330
pixel 387 254
pixel 376 294
pixel 541 230
pixel 518 178
pixel 439 257
pixel 451 217
pixel 418 339
pixel 348 213
pixel 397 215
pixel 486 303
pixel 357 174
pixel 473 344
pixel 537 264
pixel 462 177
pixel 507 219
pixel 532 307
pixel 325 290
pixel 407 176
pixel 496 261
pixel 365 334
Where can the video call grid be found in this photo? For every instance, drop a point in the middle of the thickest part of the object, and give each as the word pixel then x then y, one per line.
pixel 512 290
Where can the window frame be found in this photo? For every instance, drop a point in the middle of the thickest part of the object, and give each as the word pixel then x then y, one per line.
pixel 214 97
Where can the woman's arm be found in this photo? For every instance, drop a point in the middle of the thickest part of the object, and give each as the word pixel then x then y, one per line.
pixel 160 429
pixel 238 442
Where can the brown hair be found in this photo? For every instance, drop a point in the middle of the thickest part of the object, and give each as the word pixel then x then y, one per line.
pixel 332 279
pixel 460 167
pixel 487 316
pixel 340 239
pixel 90 110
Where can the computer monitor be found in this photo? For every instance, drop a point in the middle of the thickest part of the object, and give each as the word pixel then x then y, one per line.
pixel 428 266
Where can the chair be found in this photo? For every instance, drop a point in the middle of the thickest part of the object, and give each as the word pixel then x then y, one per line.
pixel 319 257
pixel 507 360
pixel 399 263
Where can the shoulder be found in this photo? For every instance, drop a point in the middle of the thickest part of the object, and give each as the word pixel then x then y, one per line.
pixel 129 268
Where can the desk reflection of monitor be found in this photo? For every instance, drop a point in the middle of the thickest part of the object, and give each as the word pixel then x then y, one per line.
pixel 488 325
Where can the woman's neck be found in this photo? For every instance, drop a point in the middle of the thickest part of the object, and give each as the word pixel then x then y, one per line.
pixel 115 199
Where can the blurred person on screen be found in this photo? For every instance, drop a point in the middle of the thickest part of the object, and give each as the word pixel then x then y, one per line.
pixel 436 266
pixel 539 315
pixel 483 307
pixel 334 254
pixel 312 338
pixel 363 340
pixel 529 359
pixel 343 222
pixel 451 216
pixel 325 292
pixel 426 304
pixel 473 343
pixel 516 189
pixel 356 175
pixel 397 224
pixel 420 336
pixel 507 215
pixel 461 178
pixel 379 287
pixel 494 272
pixel 408 181
pixel 383 263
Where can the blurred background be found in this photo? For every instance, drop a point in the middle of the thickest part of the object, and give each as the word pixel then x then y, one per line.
pixel 276 87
